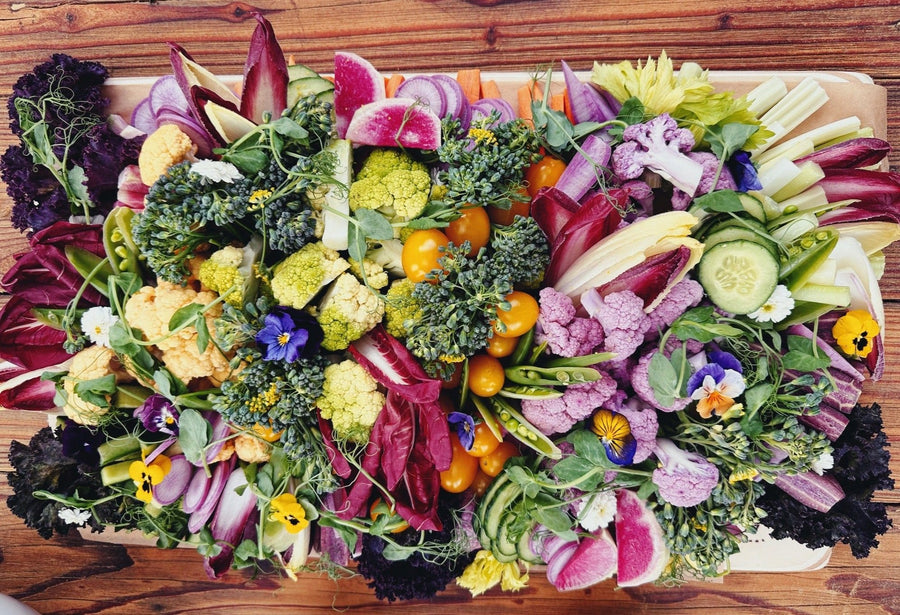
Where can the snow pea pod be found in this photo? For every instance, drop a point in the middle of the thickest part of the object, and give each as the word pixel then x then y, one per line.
pixel 118 242
pixel 524 391
pixel 521 429
pixel 805 255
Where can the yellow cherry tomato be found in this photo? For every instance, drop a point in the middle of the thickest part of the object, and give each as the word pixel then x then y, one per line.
pixel 520 317
pixel 485 441
pixel 486 375
pixel 501 346
pixel 463 468
pixel 543 173
pixel 421 252
pixel 473 225
pixel 492 464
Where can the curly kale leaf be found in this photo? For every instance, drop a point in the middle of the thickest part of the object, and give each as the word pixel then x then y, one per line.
pixel 43 465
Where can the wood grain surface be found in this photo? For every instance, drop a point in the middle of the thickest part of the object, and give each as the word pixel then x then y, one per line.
pixel 69 575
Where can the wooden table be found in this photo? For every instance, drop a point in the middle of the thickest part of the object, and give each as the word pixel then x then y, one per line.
pixel 69 575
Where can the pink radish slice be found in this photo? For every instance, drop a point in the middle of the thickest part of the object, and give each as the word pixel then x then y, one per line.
pixel 484 107
pixel 356 83
pixel 559 560
pixel 142 117
pixel 165 93
pixel 196 491
pixel 394 122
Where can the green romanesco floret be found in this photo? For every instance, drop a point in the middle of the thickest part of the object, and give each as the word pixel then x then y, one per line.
pixel 351 400
pixel 348 311
pixel 401 309
pixel 229 271
pixel 298 278
pixel 391 182
pixel 375 275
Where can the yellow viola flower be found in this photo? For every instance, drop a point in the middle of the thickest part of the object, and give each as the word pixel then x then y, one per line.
pixel 146 476
pixel 855 333
pixel 286 510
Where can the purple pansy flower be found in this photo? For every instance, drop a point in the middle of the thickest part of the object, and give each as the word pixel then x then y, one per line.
pixel 157 413
pixel 465 428
pixel 287 336
pixel 716 385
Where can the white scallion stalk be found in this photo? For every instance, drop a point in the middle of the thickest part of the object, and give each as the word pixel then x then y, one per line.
pixel 798 225
pixel 764 96
pixel 810 199
pixel 810 173
pixel 800 103
pixel 836 131
pixel 824 273
pixel 777 175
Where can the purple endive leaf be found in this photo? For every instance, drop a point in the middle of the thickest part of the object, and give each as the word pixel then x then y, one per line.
pixel 552 209
pixel 331 544
pixel 189 74
pixel 236 506
pixel 878 188
pixel 595 219
pixel 810 489
pixel 175 482
pixel 850 154
pixel 201 515
pixel 265 75
pixel 200 99
pixel 653 277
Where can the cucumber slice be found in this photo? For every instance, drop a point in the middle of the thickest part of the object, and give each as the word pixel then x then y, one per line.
pixel 306 86
pixel 753 206
pixel 498 507
pixel 299 71
pixel 734 233
pixel 738 275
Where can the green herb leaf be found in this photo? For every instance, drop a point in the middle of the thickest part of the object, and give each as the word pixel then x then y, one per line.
pixel 720 201
pixel 663 379
pixel 194 435
pixel 726 139
pixel 183 316
pixel 95 390
pixel 374 225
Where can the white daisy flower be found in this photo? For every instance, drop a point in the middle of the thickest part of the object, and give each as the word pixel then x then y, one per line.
pixel 776 308
pixel 216 170
pixel 824 462
pixel 596 510
pixel 96 323
pixel 74 516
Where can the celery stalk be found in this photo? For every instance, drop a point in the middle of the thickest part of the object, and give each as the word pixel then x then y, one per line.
pixel 831 294
pixel 764 96
pixel 800 103
pixel 810 173
pixel 777 175
pixel 115 473
pixel 836 130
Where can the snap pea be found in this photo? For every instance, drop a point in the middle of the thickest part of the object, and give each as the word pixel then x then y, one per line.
pixel 118 242
pixel 582 361
pixel 550 376
pixel 804 255
pixel 521 429
pixel 487 416
pixel 95 269
pixel 524 391
pixel 523 348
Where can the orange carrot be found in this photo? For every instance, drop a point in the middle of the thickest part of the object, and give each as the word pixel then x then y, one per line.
pixel 525 94
pixel 489 89
pixel 392 83
pixel 470 81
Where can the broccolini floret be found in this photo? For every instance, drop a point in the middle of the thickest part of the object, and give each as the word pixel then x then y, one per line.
pixel 520 251
pixel 177 219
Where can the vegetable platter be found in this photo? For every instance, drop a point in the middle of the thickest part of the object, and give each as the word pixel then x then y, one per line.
pixel 435 329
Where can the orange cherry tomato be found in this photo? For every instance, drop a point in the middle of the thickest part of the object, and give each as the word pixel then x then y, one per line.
pixel 485 441
pixel 421 252
pixel 481 483
pixel 517 208
pixel 492 464
pixel 380 507
pixel 545 172
pixel 501 346
pixel 473 225
pixel 463 468
pixel 486 375
pixel 520 317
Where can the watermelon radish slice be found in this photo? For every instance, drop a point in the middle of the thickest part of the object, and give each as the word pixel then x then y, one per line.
pixel 642 552
pixel 594 560
pixel 356 83
pixel 395 122
pixel 426 90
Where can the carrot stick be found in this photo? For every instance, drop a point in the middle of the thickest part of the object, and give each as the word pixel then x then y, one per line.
pixel 558 101
pixel 392 83
pixel 470 81
pixel 525 94
pixel 490 89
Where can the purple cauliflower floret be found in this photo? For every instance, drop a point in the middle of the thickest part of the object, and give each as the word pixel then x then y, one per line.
pixel 710 163
pixel 644 426
pixel 622 316
pixel 640 382
pixel 686 294
pixel 658 145
pixel 684 478
pixel 578 402
pixel 566 335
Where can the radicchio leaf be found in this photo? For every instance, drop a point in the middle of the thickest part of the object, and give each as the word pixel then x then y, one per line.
pixel 394 367
pixel 25 390
pixel 396 424
pixel 418 502
pixel 27 342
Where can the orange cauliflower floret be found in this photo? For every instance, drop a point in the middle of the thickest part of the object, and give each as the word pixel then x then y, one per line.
pixel 91 363
pixel 252 449
pixel 150 310
pixel 165 147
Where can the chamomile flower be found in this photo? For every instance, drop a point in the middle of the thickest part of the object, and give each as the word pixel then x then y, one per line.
pixel 74 516
pixel 96 323
pixel 596 510
pixel 776 308
pixel 217 171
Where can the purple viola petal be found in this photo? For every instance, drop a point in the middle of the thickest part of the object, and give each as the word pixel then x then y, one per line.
pixel 696 380
pixel 465 428
pixel 158 414
pixel 725 359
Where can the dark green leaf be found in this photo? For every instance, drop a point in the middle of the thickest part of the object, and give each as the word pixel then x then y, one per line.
pixel 727 139
pixel 803 362
pixel 289 128
pixel 185 315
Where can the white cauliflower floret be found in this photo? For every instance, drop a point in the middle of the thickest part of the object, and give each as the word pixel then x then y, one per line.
pixel 150 310
pixel 91 363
